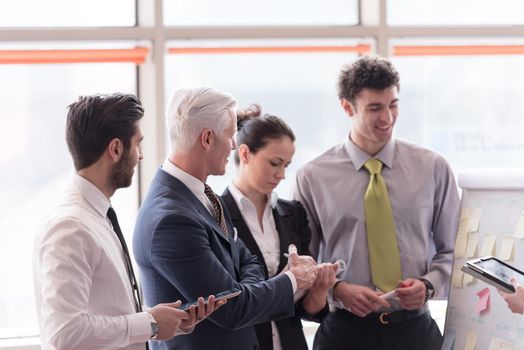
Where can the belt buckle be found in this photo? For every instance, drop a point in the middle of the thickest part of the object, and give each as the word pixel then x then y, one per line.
pixel 381 318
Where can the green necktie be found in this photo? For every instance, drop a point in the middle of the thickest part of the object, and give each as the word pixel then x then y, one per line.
pixel 384 257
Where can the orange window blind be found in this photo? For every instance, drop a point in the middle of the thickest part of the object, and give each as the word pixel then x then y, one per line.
pixel 457 50
pixel 132 55
pixel 360 49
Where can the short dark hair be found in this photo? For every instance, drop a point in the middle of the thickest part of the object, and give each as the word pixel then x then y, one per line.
pixel 368 72
pixel 255 131
pixel 93 121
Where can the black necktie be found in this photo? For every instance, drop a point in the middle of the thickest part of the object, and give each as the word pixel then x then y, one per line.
pixel 217 207
pixel 127 259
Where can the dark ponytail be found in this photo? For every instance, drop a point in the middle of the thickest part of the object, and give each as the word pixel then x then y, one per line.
pixel 255 131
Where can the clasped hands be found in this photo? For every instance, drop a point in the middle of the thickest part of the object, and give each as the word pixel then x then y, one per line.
pixel 307 271
pixel 362 300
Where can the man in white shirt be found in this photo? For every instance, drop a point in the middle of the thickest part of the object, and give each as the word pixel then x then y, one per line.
pixel 85 288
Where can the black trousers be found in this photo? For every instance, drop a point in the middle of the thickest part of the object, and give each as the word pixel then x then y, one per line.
pixel 343 330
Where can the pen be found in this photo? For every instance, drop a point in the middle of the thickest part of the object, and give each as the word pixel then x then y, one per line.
pixel 388 294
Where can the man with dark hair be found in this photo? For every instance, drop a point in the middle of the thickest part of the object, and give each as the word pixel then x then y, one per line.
pixel 86 292
pixel 388 207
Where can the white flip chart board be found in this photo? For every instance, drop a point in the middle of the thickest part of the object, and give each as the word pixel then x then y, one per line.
pixel 492 223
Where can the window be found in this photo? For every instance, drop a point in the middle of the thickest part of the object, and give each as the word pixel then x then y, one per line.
pixel 67 13
pixel 296 86
pixel 272 12
pixel 36 165
pixel 450 12
pixel 459 94
pixel 467 107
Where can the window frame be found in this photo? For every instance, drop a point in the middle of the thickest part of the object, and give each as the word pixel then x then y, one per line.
pixel 151 32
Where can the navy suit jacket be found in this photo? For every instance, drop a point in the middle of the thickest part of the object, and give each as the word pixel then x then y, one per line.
pixel 183 254
pixel 292 227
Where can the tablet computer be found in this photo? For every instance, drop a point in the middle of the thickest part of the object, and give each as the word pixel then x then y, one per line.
pixel 228 294
pixel 494 271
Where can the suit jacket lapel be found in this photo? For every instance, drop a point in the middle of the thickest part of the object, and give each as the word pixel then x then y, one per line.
pixel 242 229
pixel 231 236
pixel 181 190
pixel 284 226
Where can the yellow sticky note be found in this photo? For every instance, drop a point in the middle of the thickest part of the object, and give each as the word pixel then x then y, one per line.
pixel 518 232
pixel 462 238
pixel 474 219
pixel 457 275
pixel 500 344
pixel 468 279
pixel 471 248
pixel 471 341
pixel 488 245
pixel 506 248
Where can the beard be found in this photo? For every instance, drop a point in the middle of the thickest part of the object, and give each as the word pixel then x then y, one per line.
pixel 122 173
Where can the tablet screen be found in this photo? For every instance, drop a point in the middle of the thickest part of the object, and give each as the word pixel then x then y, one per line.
pixel 503 272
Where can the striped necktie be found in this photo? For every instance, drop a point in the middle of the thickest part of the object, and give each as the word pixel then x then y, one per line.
pixel 217 207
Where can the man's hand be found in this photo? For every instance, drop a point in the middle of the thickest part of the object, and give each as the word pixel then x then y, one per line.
pixel 168 318
pixel 199 312
pixel 326 276
pixel 360 300
pixel 411 293
pixel 303 268
pixel 515 300
pixel 316 297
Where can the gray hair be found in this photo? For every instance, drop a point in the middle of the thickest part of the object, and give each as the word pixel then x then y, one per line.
pixel 193 110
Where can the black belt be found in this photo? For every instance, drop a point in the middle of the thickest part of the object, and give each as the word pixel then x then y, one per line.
pixel 385 318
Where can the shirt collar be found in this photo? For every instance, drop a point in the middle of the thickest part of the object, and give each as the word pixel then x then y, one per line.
pixel 195 185
pixel 242 200
pixel 273 199
pixel 359 156
pixel 92 194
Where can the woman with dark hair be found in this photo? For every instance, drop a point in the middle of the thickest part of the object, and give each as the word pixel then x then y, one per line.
pixel 268 225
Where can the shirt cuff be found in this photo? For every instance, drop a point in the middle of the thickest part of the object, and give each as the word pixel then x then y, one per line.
pixel 331 296
pixel 180 331
pixel 139 327
pixel 293 281
pixel 299 295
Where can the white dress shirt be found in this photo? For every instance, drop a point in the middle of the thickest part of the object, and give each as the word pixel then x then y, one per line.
pixel 196 186
pixel 267 237
pixel 83 295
